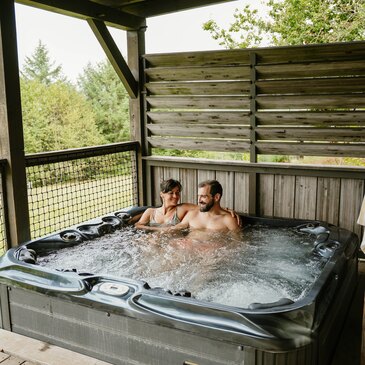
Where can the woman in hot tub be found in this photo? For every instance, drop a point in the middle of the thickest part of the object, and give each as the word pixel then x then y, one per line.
pixel 171 212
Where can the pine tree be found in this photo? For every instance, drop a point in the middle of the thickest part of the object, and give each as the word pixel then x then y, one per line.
pixel 39 67
pixel 109 99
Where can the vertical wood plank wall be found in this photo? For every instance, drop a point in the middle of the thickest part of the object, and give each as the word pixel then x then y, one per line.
pixel 331 195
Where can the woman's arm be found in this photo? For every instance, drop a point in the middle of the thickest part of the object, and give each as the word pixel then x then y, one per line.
pixel 183 208
pixel 144 221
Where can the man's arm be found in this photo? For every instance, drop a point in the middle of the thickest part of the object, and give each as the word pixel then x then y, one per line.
pixel 184 208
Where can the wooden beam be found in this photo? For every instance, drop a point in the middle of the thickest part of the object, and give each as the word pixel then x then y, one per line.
pixel 199 117
pixel 84 9
pixel 325 171
pixel 252 180
pixel 196 144
pixel 159 7
pixel 115 57
pixel 207 103
pixel 11 130
pixel 136 47
pixel 197 130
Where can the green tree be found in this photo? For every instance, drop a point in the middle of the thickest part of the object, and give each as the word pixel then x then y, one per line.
pixel 109 99
pixel 56 117
pixel 39 67
pixel 293 22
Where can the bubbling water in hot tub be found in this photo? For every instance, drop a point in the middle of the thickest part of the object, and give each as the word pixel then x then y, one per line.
pixel 263 265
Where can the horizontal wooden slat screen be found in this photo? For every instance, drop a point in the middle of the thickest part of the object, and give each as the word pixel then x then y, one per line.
pixel 307 100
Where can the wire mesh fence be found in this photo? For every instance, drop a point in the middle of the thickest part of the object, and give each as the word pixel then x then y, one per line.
pixel 69 187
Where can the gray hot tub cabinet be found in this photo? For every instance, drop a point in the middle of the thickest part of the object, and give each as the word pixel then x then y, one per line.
pixel 123 321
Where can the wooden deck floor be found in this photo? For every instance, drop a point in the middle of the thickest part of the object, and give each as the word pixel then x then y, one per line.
pixel 20 350
pixel 6 359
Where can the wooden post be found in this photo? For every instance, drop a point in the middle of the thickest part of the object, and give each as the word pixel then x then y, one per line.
pixel 11 130
pixel 136 48
pixel 252 206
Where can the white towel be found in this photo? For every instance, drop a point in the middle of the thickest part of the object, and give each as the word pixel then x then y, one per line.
pixel 361 219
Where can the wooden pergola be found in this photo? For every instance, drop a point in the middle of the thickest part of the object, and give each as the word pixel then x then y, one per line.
pixel 123 14
pixel 305 100
pixel 302 100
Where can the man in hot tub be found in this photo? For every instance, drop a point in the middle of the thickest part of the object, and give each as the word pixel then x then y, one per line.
pixel 208 215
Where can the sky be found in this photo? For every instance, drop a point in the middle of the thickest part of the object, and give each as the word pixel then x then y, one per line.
pixel 72 44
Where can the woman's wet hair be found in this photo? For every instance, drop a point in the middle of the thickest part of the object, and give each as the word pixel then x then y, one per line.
pixel 168 185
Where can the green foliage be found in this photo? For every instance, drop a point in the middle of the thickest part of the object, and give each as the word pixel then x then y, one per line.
pixel 202 154
pixel 39 67
pixel 293 22
pixel 109 99
pixel 317 21
pixel 247 26
pixel 56 117
pixel 274 158
pixel 352 161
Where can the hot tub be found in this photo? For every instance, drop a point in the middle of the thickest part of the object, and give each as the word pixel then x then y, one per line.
pixel 125 321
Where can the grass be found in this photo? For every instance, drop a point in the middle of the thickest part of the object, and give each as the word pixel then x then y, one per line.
pixel 58 206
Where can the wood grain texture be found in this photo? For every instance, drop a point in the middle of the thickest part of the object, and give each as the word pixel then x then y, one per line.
pixel 284 196
pixel 266 195
pixel 328 200
pixel 305 197
pixel 200 117
pixel 226 179
pixel 199 144
pixel 351 195
pixel 241 192
pixel 188 179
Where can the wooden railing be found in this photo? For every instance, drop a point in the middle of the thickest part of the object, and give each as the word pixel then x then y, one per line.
pixel 332 194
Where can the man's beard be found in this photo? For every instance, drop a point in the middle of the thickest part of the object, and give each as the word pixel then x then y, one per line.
pixel 206 207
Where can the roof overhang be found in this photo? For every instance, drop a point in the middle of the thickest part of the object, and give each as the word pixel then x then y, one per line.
pixel 123 14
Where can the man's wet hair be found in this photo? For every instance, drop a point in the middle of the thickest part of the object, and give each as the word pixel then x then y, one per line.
pixel 169 184
pixel 215 186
